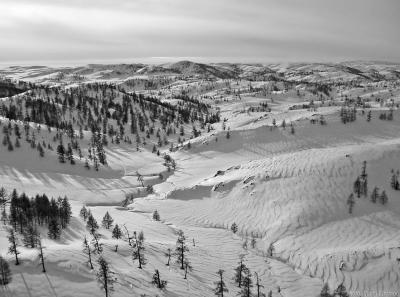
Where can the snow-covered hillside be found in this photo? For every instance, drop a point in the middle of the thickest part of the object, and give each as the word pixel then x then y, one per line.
pixel 274 150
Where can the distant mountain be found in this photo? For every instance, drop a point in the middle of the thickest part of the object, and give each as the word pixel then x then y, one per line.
pixel 302 72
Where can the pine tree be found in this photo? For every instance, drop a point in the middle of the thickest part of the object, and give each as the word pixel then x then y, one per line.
pixel 247 284
pixel 54 229
pixel 234 227
pixel 41 256
pixel 239 272
pixel 107 221
pixel 369 115
pixel 116 233
pixel 188 267
pixel 383 198
pixel 161 284
pixel 84 213
pixel 88 250
pixel 61 152
pixel 374 195
pixel 92 224
pixel 341 291
pixel 105 276
pixel 350 203
pixel 220 288
pixel 181 249
pixel 13 248
pixel 30 236
pixel 168 255
pixel 98 247
pixel 156 216
pixel 259 286
pixel 325 291
pixel 65 212
pixel 138 249
pixel 5 272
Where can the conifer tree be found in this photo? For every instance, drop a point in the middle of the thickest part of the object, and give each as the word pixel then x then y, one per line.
pixel 161 284
pixel 105 276
pixel 138 249
pixel 181 249
pixel 220 286
pixel 350 203
pixel 83 213
pixel 341 291
pixel 54 229
pixel 30 236
pixel 41 256
pixel 92 224
pixel 168 255
pixel 239 272
pixel 13 248
pixel 116 233
pixel 156 216
pixel 234 227
pixel 374 195
pixel 87 249
pixel 107 221
pixel 325 291
pixel 383 198
pixel 5 272
pixel 247 284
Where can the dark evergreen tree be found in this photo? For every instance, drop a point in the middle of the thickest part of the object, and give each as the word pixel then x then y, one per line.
pixel 168 255
pixel 240 270
pixel 325 292
pixel 234 228
pixel 41 256
pixel 84 213
pixel 54 229
pixel 107 221
pixel 138 249
pixel 350 203
pixel 5 272
pixel 30 236
pixel 87 249
pixel 105 276
pixel 383 198
pixel 181 249
pixel 65 212
pixel 61 152
pixel 341 291
pixel 374 195
pixel 92 224
pixel 161 284
pixel 247 284
pixel 156 216
pixel 220 287
pixel 13 248
pixel 117 233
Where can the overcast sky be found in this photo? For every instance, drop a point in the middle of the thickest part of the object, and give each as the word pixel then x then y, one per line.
pixel 88 31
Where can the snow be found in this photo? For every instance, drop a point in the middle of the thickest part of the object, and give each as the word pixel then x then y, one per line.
pixel 282 189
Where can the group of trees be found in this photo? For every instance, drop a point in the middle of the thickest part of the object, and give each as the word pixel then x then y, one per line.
pixel 339 292
pixel 27 213
pixel 108 112
pixel 348 114
pixel 394 180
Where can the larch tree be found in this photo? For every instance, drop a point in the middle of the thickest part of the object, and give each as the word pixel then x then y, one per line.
pixel 220 286
pixel 5 272
pixel 181 249
pixel 138 249
pixel 107 221
pixel 13 248
pixel 105 276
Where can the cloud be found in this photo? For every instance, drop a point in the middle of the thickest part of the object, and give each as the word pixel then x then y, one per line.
pixel 267 30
